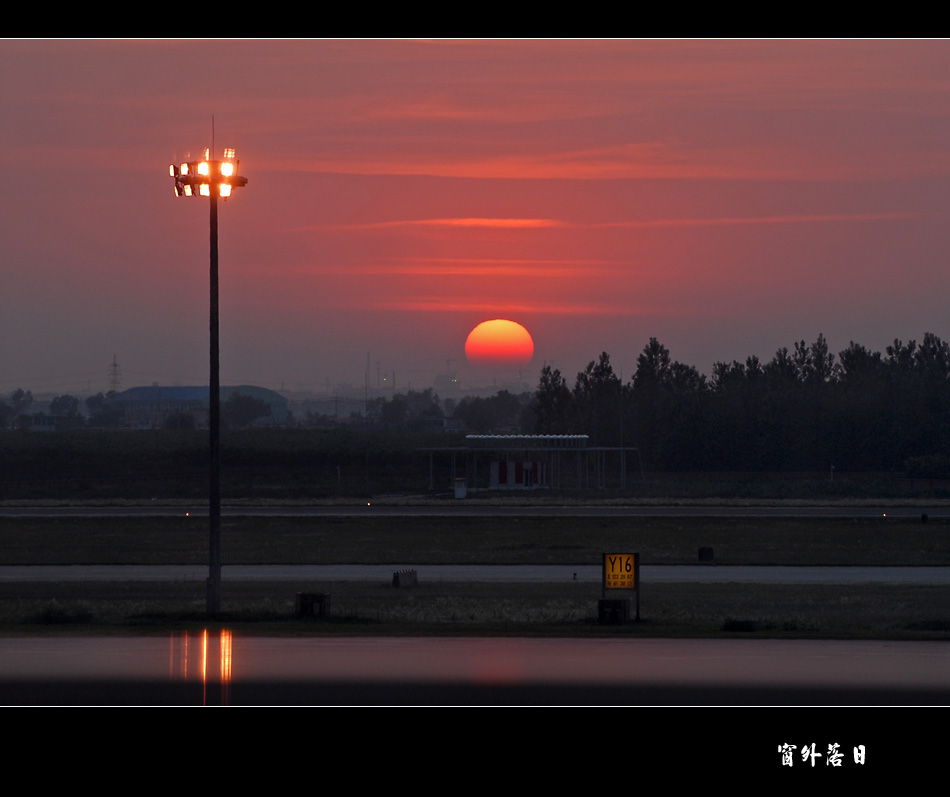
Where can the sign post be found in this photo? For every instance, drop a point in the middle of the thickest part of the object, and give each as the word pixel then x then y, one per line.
pixel 621 576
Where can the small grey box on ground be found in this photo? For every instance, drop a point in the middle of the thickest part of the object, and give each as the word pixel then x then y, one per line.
pixel 405 578
pixel 312 604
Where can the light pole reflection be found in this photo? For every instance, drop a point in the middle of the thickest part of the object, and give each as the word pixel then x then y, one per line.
pixel 196 658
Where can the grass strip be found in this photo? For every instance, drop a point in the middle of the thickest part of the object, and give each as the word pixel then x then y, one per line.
pixel 449 608
pixel 477 540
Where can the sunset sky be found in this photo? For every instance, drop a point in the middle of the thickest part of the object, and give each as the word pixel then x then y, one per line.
pixel 726 197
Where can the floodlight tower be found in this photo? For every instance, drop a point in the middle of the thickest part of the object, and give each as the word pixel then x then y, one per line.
pixel 213 179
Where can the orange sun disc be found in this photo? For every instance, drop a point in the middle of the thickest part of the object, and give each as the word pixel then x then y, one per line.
pixel 499 342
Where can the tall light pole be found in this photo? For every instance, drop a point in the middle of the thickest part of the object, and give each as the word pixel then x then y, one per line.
pixel 213 179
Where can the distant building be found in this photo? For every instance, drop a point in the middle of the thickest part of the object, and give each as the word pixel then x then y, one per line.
pixel 523 462
pixel 533 461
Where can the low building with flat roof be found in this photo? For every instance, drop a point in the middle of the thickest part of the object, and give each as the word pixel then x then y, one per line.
pixel 534 461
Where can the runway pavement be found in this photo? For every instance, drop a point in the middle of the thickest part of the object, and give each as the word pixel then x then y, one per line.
pixel 463 509
pixel 658 574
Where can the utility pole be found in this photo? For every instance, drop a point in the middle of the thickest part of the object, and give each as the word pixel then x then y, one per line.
pixel 211 178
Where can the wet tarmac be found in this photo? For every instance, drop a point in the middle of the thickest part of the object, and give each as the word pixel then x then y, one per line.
pixel 218 668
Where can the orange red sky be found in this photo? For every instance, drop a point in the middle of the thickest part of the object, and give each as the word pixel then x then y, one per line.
pixel 726 197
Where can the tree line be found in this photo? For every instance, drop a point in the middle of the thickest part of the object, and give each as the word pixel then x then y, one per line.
pixel 104 412
pixel 805 409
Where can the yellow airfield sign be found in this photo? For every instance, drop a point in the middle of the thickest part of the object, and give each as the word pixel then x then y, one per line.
pixel 621 571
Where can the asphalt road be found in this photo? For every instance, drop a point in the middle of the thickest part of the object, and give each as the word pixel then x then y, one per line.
pixel 462 509
pixel 550 574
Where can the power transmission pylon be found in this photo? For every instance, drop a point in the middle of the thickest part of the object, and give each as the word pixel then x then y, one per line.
pixel 114 373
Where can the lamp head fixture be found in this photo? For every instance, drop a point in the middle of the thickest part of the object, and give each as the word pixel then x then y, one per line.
pixel 201 178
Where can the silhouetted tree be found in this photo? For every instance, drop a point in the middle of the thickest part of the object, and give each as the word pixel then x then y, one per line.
pixel 103 411
pixel 241 411
pixel 65 406
pixel 394 414
pixel 20 400
pixel 484 415
pixel 815 363
pixel 552 405
pixel 597 402
pixel 412 410
pixel 803 410
pixel 651 385
pixel 735 431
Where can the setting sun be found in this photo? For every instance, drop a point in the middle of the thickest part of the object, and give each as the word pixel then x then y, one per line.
pixel 499 342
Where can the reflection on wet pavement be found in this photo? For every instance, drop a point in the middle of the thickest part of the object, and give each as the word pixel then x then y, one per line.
pixel 206 657
pixel 212 668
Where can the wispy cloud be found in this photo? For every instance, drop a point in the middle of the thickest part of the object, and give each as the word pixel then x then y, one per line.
pixel 526 224
pixel 459 267
pixel 461 222
pixel 810 218
pixel 453 304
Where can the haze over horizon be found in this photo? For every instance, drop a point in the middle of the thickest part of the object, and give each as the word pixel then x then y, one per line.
pixel 726 197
